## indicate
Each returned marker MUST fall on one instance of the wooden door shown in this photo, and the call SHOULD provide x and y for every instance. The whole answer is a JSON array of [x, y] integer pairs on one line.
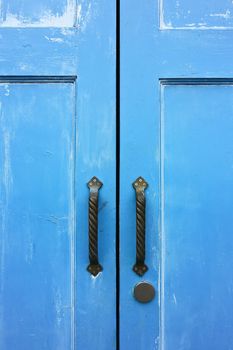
[[57, 131], [177, 133]]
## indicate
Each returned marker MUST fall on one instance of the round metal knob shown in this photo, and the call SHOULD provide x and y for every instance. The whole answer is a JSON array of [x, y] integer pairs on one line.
[[144, 292]]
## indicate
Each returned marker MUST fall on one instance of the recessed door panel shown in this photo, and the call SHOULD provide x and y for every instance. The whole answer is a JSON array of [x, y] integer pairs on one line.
[[37, 216], [196, 217]]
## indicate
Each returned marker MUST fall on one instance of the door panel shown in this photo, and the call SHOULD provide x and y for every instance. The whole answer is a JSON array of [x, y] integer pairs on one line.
[[196, 201], [37, 215]]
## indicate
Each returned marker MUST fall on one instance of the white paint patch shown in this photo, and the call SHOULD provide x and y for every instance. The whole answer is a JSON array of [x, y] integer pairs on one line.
[[7, 174], [225, 15], [47, 19], [191, 24], [29, 243], [174, 298], [94, 278], [67, 31], [202, 25], [162, 24], [54, 40], [197, 27], [58, 307], [83, 15], [7, 90], [112, 46], [23, 66]]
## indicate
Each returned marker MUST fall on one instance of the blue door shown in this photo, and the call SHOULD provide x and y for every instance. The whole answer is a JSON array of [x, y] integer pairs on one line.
[[62, 286], [57, 132], [177, 135]]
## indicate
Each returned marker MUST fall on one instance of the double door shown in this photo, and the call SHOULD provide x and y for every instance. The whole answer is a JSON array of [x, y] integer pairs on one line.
[[116, 175]]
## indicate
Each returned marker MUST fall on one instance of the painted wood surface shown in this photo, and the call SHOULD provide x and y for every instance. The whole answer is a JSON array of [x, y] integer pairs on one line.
[[191, 14], [176, 132], [57, 131], [37, 216], [196, 215]]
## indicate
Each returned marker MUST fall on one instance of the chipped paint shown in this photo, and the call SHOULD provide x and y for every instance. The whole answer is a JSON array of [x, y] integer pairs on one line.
[[23, 67], [174, 299], [7, 90], [162, 24], [54, 40], [7, 174], [225, 15], [84, 14], [197, 27], [174, 15], [47, 18], [67, 31]]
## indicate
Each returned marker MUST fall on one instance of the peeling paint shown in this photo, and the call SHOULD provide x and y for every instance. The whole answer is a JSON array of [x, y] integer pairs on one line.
[[225, 15], [7, 89], [84, 15], [174, 298], [23, 66], [47, 19], [174, 15], [58, 307], [54, 40], [67, 31], [7, 174]]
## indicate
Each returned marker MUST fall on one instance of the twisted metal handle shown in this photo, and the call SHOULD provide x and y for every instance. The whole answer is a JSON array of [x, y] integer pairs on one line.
[[140, 185], [94, 267]]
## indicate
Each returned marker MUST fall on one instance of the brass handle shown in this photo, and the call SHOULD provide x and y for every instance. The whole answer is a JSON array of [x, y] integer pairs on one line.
[[140, 185], [94, 267]]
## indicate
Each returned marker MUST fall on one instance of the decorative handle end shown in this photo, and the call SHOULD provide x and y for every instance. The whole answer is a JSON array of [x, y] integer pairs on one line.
[[95, 183], [140, 184], [140, 269], [94, 269]]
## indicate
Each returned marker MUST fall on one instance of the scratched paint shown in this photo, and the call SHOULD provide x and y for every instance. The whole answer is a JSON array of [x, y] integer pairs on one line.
[[193, 15]]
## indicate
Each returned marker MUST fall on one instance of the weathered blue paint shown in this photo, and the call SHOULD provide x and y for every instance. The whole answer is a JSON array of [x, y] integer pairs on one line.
[[37, 215], [196, 216], [56, 133], [190, 14], [178, 136]]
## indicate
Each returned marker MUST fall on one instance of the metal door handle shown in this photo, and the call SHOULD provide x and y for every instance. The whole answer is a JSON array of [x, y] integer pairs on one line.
[[94, 267], [140, 185]]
